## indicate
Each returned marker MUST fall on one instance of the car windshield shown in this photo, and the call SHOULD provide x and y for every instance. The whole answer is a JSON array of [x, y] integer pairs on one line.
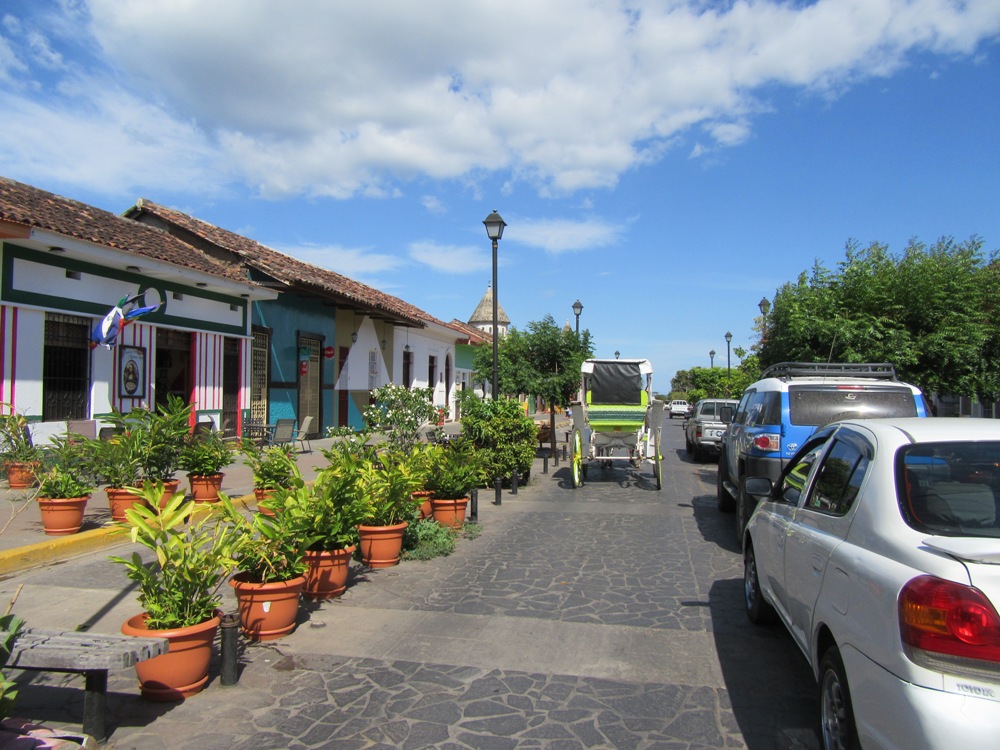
[[951, 489], [815, 407]]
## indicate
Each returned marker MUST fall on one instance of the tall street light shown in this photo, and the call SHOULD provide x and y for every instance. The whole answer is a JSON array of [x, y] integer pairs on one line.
[[764, 305], [494, 230], [711, 356], [577, 309], [729, 337]]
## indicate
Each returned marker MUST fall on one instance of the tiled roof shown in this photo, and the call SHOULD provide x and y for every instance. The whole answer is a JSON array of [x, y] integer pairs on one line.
[[470, 334], [285, 268], [484, 310], [35, 208]]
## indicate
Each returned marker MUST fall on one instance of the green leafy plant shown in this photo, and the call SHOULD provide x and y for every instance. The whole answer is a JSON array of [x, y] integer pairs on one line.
[[205, 453], [118, 459], [454, 470], [273, 467], [67, 470], [504, 436], [427, 539], [16, 445], [271, 549], [195, 550], [161, 435], [326, 513], [399, 412], [388, 483], [10, 626]]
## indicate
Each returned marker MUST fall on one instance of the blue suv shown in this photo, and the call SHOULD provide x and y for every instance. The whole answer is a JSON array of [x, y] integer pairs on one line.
[[791, 401]]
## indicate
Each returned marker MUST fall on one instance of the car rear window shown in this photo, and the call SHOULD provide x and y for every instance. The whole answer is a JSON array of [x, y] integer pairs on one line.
[[708, 409], [950, 489], [815, 407]]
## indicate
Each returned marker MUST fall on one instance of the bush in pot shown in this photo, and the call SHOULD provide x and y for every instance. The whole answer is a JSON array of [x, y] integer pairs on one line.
[[161, 434], [271, 565], [194, 551], [19, 457], [274, 468], [388, 482], [326, 515], [452, 476], [117, 462], [64, 486], [203, 456]]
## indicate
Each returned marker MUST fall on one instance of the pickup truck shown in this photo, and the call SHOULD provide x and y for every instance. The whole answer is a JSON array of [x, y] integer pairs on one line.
[[703, 431]]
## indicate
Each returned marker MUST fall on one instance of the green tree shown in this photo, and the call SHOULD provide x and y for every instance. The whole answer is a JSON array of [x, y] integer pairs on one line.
[[929, 311], [544, 360]]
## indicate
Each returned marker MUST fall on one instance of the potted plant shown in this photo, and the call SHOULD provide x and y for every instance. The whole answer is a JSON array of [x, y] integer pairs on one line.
[[204, 455], [326, 515], [194, 552], [117, 461], [161, 434], [64, 487], [273, 469], [19, 457], [452, 476], [271, 565], [388, 483]]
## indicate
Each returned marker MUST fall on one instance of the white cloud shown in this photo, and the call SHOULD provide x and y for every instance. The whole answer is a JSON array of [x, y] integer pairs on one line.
[[343, 99], [353, 262], [564, 235], [451, 258]]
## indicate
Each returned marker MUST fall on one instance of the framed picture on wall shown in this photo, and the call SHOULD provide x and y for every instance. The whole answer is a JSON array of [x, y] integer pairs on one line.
[[132, 372]]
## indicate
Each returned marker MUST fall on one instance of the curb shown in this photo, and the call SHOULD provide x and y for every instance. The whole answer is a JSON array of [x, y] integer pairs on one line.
[[58, 549]]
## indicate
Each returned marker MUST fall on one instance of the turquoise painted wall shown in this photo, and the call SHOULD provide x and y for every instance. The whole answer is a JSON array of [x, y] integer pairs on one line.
[[286, 317]]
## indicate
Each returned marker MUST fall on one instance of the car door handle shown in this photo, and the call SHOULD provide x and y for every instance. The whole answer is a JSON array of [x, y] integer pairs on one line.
[[817, 563]]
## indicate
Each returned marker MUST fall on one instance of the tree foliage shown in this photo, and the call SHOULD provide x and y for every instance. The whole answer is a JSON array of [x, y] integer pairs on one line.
[[929, 311], [543, 360]]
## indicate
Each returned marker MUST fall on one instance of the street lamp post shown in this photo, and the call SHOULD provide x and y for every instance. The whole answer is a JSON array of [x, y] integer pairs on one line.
[[494, 230], [577, 309], [617, 354], [729, 337], [711, 359], [764, 305]]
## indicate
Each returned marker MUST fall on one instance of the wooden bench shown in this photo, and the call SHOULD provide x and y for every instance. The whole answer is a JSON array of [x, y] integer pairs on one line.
[[89, 654]]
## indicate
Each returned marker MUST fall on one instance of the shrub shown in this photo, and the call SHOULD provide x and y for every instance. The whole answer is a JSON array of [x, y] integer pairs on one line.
[[502, 433]]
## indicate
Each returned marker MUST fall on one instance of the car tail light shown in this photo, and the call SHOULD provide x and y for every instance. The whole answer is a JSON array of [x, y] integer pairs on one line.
[[948, 618], [767, 442], [697, 432]]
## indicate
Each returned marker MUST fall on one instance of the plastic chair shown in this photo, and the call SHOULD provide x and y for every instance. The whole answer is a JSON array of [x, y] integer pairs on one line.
[[301, 435], [284, 432]]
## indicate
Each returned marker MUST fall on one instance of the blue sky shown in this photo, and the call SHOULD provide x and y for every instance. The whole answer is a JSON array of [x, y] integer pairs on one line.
[[667, 163]]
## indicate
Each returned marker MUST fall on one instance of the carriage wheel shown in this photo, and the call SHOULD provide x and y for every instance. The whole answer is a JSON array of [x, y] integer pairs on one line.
[[657, 460], [577, 466]]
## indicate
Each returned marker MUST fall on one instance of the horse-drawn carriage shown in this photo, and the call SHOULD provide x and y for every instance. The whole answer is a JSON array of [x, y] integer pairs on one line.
[[616, 417]]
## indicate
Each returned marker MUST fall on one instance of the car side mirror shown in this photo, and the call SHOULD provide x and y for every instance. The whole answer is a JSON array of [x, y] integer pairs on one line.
[[758, 487], [726, 414]]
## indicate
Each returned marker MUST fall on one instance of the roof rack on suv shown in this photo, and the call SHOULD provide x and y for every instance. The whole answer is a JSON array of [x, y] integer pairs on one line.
[[785, 370]]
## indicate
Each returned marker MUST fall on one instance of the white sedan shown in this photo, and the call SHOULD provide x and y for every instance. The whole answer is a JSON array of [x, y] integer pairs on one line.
[[879, 549]]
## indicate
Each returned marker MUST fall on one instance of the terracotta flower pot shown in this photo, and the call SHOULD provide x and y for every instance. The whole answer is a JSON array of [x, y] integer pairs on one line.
[[328, 572], [183, 670], [449, 512], [205, 487], [381, 546], [262, 497], [425, 505], [120, 500], [169, 490], [267, 610], [20, 475], [62, 515]]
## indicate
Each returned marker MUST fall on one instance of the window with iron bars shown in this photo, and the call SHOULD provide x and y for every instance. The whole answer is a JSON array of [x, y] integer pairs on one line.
[[66, 368]]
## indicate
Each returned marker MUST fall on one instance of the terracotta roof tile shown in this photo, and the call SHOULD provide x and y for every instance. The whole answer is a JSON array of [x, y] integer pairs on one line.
[[39, 209], [285, 268]]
